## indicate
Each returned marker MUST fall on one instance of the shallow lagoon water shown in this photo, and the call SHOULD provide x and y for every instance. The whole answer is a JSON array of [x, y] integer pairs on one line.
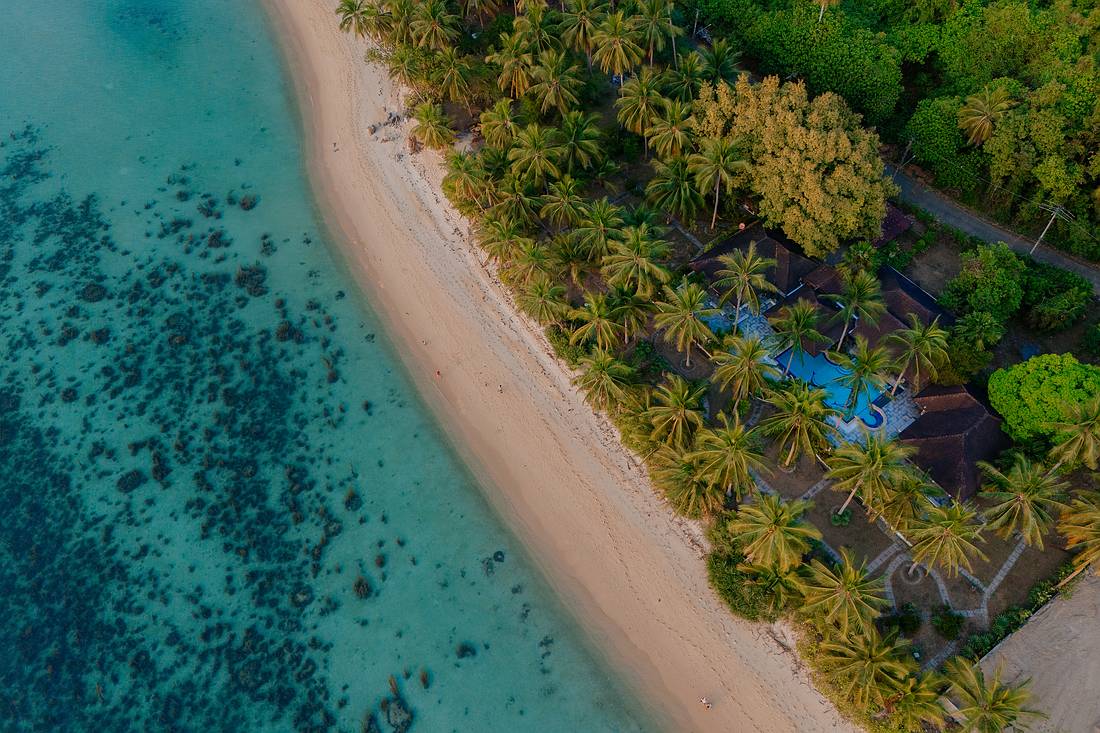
[[224, 507]]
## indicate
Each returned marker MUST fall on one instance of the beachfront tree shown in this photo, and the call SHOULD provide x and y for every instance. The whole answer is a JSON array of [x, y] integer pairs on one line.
[[915, 703], [570, 256], [800, 421], [405, 65], [946, 537], [842, 597], [728, 454], [782, 586], [432, 129], [982, 111], [452, 75], [717, 165], [794, 326], [401, 16], [920, 347], [861, 299], [535, 25], [466, 179], [580, 140], [535, 155], [1025, 499], [599, 322], [638, 102], [556, 82], [1077, 439], [515, 61], [771, 531], [868, 667], [481, 9], [869, 470], [601, 227], [604, 379], [719, 62], [677, 411], [986, 706], [500, 237], [498, 124], [670, 128], [532, 259], [563, 204], [616, 48], [635, 261], [672, 189], [1080, 525], [434, 26], [656, 26], [634, 312], [364, 18], [515, 201], [864, 371], [743, 367], [683, 81], [543, 300], [742, 278], [580, 20], [676, 472], [680, 315]]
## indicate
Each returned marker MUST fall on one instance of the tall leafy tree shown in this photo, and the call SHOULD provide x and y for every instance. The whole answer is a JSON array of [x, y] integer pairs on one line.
[[672, 189], [869, 667], [515, 60], [432, 129], [920, 347], [499, 236], [570, 256], [1080, 524], [864, 371], [453, 75], [947, 537], [434, 26], [515, 200], [604, 379], [635, 261], [987, 706], [717, 165], [535, 154], [1077, 439], [676, 472], [843, 597], [556, 82], [771, 531], [580, 22], [536, 26], [580, 140], [563, 204], [861, 299], [543, 300], [719, 62], [680, 315], [743, 278], [869, 470], [499, 124], [599, 319], [616, 45], [1024, 499], [801, 420], [656, 26], [683, 81], [727, 454], [601, 227], [676, 413], [638, 102], [364, 18], [915, 703], [670, 128], [744, 368], [795, 325], [532, 260], [466, 179]]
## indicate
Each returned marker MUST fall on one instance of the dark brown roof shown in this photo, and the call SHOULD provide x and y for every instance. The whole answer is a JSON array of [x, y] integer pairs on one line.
[[893, 224], [903, 296], [790, 266], [954, 431], [825, 280]]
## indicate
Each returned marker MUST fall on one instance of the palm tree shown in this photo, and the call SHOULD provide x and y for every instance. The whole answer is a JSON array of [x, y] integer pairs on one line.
[[916, 702], [801, 419], [683, 82], [782, 586], [498, 124], [499, 236], [434, 26], [599, 322], [861, 299], [556, 82], [535, 25], [905, 501], [405, 66], [634, 312], [600, 227], [1025, 499], [535, 154], [727, 455], [452, 72], [742, 367], [638, 103], [580, 140], [515, 61], [676, 472], [563, 204], [920, 347], [616, 45], [717, 165], [796, 325], [771, 531], [580, 21], [1078, 438], [673, 190], [1080, 524], [869, 470], [400, 21], [482, 9], [681, 315], [719, 62], [843, 597], [869, 667], [570, 256], [865, 371], [986, 706], [465, 178], [433, 129], [825, 4], [364, 18], [980, 329], [982, 111], [635, 261], [604, 379], [946, 536], [670, 128], [742, 278], [543, 300], [515, 201], [655, 22], [677, 413], [532, 260]]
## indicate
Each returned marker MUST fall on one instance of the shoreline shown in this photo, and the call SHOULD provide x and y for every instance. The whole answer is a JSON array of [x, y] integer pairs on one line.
[[625, 567]]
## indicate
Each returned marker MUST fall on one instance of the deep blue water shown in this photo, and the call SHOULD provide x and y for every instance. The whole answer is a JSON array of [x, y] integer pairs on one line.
[[224, 507]]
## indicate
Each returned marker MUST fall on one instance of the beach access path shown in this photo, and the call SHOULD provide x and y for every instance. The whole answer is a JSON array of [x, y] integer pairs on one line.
[[631, 572]]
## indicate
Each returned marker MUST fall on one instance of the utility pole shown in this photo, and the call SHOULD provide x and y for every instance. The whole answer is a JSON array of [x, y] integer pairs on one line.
[[1057, 211]]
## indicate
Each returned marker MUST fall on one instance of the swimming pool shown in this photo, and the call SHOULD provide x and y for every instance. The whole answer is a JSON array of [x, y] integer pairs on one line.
[[820, 372]]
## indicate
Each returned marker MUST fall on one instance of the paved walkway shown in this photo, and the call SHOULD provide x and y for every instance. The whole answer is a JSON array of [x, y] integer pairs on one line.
[[959, 217]]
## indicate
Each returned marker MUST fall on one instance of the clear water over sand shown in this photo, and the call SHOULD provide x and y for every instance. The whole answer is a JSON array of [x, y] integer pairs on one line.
[[223, 506]]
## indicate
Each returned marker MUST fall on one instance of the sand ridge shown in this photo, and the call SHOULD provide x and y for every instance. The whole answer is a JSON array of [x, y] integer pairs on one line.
[[622, 562]]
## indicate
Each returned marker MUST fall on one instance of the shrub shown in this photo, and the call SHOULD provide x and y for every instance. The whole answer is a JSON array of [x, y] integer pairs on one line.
[[991, 280], [938, 143], [964, 361], [1090, 340], [738, 589], [1041, 390], [907, 620], [559, 339], [1054, 299], [948, 623]]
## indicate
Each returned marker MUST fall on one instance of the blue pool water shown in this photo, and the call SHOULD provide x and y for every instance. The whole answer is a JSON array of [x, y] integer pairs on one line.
[[820, 372], [212, 518]]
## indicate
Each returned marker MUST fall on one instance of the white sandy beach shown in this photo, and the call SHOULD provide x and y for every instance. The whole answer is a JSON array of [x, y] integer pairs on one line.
[[629, 570]]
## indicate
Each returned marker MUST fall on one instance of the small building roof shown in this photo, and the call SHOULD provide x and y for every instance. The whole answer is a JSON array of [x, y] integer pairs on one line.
[[825, 280], [903, 296], [790, 266], [955, 430]]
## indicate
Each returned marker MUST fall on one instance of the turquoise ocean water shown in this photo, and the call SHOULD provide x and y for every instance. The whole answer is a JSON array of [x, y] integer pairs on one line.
[[223, 507]]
